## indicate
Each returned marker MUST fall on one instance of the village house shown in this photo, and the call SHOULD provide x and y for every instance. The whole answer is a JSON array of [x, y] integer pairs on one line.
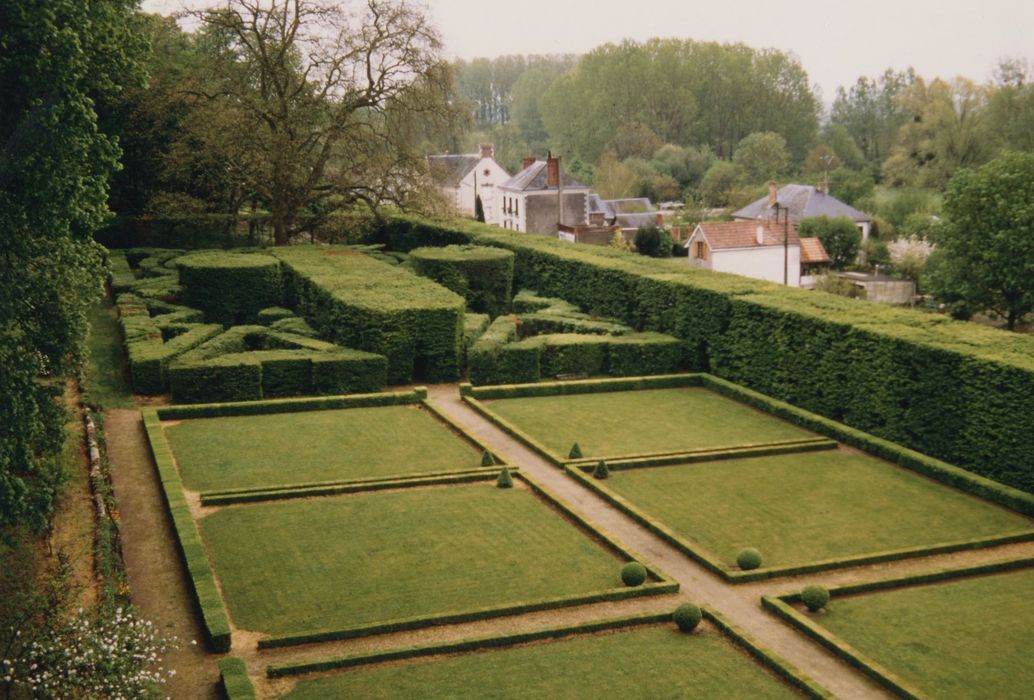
[[463, 177], [749, 248], [801, 202], [542, 199]]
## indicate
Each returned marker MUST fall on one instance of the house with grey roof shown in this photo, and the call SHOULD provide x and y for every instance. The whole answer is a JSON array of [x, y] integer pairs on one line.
[[627, 214], [462, 177], [803, 202], [541, 198]]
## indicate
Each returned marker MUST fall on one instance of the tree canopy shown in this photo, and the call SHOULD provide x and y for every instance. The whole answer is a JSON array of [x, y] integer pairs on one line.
[[839, 235]]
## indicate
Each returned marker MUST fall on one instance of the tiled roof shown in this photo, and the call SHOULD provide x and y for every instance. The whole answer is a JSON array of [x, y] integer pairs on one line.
[[534, 178], [723, 235], [448, 171], [803, 201], [813, 252]]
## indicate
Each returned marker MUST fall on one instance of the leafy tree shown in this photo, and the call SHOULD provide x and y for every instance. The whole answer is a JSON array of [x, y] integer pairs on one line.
[[985, 250], [1011, 105], [762, 155], [720, 182], [653, 241], [614, 179], [686, 165], [330, 99], [479, 208], [60, 58], [528, 90], [850, 186], [870, 112], [634, 140], [839, 235]]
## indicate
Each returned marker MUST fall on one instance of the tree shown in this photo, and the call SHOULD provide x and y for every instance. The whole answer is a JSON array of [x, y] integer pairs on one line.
[[331, 99], [479, 208], [985, 250], [60, 59], [839, 235], [719, 183], [762, 155], [871, 113], [653, 241], [1011, 105]]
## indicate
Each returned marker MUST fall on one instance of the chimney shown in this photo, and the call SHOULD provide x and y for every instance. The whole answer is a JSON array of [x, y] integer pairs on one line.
[[487, 151], [527, 162], [761, 234], [773, 194], [552, 170]]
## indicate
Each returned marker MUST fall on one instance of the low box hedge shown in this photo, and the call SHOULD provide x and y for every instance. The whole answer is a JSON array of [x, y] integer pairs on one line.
[[309, 403], [233, 677]]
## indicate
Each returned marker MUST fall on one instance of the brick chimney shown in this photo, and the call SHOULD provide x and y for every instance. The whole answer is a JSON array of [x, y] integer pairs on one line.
[[487, 151], [527, 162], [552, 170], [773, 194]]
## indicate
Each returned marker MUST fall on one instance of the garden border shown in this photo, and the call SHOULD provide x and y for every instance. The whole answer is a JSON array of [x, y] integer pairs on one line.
[[781, 607], [234, 679]]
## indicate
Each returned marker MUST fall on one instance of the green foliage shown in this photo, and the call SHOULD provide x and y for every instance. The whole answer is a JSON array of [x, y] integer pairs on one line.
[[687, 616], [272, 314], [840, 237], [762, 155], [653, 241], [633, 574], [601, 471], [412, 321], [479, 209], [505, 481], [985, 251], [480, 274], [850, 186], [230, 287], [720, 183], [575, 452], [814, 597], [841, 286], [748, 559], [233, 675], [487, 460]]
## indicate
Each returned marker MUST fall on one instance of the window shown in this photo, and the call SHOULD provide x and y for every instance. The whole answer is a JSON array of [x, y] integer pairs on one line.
[[487, 172], [515, 205], [701, 251]]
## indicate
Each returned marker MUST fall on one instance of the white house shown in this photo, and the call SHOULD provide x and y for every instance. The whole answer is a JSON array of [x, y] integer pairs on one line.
[[748, 248], [463, 177], [801, 202], [541, 199]]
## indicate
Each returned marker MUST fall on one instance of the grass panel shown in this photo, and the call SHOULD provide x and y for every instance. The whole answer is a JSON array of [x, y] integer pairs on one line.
[[299, 566], [294, 448], [649, 662], [807, 507], [971, 638], [644, 421]]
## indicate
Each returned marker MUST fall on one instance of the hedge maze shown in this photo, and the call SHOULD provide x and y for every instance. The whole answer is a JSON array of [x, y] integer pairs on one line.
[[715, 477]]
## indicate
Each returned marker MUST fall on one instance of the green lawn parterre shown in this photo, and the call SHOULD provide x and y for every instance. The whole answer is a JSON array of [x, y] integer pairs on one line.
[[643, 421], [331, 445], [332, 563], [807, 507], [969, 638], [645, 662]]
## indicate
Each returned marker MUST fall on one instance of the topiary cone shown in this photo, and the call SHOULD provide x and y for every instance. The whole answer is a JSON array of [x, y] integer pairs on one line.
[[601, 471], [576, 452], [505, 481], [487, 460]]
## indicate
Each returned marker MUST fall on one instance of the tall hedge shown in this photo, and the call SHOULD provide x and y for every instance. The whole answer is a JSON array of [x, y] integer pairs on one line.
[[363, 303], [960, 392], [482, 275], [230, 287]]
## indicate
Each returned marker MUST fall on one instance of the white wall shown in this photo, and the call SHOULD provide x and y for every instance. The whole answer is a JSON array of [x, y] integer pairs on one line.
[[486, 186], [762, 263]]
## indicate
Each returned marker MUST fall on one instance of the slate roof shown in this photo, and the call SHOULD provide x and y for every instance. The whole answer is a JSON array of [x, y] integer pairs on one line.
[[813, 252], [636, 220], [534, 178], [448, 171], [631, 205], [723, 235], [803, 201]]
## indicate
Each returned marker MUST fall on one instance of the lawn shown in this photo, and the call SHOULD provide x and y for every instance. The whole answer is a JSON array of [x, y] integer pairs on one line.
[[106, 382], [333, 445], [638, 422], [646, 662], [970, 638], [808, 507], [347, 561]]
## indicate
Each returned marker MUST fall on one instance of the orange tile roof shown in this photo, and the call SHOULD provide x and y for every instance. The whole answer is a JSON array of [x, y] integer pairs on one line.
[[743, 234], [813, 252]]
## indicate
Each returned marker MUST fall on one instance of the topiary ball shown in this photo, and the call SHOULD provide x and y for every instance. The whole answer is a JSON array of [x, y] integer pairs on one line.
[[687, 616], [633, 573], [576, 452], [815, 597], [487, 460], [748, 559], [505, 481], [601, 471]]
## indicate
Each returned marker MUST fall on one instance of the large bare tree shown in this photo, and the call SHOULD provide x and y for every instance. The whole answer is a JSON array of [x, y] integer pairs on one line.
[[332, 98]]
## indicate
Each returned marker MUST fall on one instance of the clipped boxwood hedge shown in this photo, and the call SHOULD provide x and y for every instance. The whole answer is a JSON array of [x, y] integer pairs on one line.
[[958, 391], [482, 275], [363, 303], [230, 287]]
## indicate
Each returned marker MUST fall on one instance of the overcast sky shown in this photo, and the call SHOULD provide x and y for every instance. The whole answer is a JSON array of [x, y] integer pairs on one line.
[[835, 41]]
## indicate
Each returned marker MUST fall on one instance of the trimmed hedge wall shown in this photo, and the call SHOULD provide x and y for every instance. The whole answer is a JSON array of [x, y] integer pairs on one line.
[[958, 391], [233, 676], [230, 287], [256, 408], [363, 303], [481, 275]]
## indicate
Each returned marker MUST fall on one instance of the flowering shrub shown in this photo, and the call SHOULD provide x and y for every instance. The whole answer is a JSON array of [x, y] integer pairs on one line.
[[112, 656]]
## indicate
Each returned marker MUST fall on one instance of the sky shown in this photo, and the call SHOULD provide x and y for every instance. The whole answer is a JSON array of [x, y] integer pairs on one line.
[[835, 41]]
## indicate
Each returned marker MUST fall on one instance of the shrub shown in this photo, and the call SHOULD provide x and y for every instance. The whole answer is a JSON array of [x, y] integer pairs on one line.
[[482, 275], [230, 287], [748, 559], [814, 597], [575, 452], [633, 574], [486, 459], [687, 616], [601, 471], [505, 481]]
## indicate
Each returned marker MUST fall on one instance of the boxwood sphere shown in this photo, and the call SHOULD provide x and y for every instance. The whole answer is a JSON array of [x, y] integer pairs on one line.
[[748, 559], [483, 275], [687, 616], [230, 287], [633, 573], [815, 597]]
